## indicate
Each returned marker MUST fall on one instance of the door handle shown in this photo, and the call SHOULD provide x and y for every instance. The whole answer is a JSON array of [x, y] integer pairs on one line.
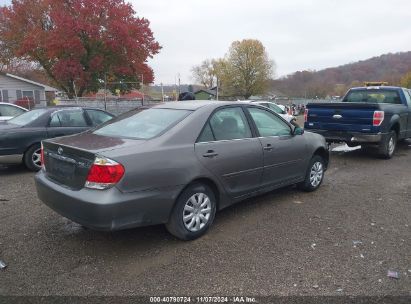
[[268, 147], [210, 153]]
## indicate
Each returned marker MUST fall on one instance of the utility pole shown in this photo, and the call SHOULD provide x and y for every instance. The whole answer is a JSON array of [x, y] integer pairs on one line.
[[105, 91], [162, 92], [142, 88], [179, 90], [217, 89]]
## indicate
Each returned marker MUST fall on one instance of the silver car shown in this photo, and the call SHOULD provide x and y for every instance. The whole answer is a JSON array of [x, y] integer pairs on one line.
[[177, 164], [9, 110]]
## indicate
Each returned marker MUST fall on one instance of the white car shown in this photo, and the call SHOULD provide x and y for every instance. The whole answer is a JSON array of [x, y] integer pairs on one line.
[[9, 110], [279, 109]]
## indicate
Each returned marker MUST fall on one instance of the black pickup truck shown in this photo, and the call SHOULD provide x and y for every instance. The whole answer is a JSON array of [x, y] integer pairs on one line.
[[377, 115]]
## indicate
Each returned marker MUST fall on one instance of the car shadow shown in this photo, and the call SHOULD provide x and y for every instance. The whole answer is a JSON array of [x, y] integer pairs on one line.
[[13, 169]]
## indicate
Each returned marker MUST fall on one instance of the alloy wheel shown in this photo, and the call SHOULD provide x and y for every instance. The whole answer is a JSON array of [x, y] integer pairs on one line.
[[316, 174]]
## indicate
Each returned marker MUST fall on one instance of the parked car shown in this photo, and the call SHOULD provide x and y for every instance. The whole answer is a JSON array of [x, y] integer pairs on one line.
[[276, 108], [176, 164], [20, 137], [374, 115], [8, 111]]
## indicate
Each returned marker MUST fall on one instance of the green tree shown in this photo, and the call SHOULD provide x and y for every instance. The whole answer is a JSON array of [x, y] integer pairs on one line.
[[406, 80]]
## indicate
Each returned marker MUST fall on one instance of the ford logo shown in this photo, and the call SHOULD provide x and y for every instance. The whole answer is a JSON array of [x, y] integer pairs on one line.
[[60, 150]]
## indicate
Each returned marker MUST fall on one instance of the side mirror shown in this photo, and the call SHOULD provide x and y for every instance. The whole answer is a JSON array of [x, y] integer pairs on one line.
[[298, 131]]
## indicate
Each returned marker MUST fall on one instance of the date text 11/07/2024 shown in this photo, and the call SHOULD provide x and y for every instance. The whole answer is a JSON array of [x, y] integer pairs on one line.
[[203, 299]]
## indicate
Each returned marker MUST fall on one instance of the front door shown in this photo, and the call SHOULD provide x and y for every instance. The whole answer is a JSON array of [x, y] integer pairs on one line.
[[284, 153], [228, 150]]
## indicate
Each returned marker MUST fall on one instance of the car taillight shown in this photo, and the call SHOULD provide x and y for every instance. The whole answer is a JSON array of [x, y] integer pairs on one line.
[[104, 173], [305, 115], [377, 118], [43, 166]]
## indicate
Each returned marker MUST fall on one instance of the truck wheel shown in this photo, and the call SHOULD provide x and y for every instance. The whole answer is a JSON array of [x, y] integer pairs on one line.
[[315, 174], [387, 146], [32, 158], [193, 212]]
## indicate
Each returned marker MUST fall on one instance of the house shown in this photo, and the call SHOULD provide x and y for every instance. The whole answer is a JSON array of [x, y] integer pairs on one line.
[[205, 94], [13, 88]]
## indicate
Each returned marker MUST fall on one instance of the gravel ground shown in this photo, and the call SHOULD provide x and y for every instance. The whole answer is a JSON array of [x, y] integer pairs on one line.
[[339, 240]]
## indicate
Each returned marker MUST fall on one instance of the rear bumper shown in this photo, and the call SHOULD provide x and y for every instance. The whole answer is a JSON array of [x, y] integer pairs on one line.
[[11, 159], [349, 137], [107, 209]]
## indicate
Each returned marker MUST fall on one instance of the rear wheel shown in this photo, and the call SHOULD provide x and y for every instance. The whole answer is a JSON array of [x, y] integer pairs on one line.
[[315, 174], [32, 158], [387, 145], [193, 212]]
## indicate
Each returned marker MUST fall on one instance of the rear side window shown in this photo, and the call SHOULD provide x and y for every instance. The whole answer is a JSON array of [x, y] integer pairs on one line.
[[228, 123], [98, 117], [407, 94], [143, 124], [373, 96]]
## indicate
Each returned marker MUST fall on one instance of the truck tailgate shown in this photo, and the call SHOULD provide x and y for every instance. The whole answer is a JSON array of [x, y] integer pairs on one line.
[[355, 117]]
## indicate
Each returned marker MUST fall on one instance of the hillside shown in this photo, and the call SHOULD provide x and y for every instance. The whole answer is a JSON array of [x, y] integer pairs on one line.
[[335, 81]]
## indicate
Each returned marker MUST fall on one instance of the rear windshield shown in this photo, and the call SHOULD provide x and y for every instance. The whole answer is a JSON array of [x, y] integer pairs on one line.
[[142, 125], [27, 117], [373, 96]]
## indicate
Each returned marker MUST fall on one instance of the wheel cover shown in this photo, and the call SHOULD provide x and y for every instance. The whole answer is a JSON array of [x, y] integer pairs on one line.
[[36, 158], [391, 145], [316, 174], [196, 212]]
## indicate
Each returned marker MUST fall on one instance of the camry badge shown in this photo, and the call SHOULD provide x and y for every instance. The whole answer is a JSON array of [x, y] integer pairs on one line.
[[60, 150]]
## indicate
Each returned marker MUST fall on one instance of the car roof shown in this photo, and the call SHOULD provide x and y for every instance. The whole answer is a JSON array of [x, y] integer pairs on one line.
[[13, 105], [378, 88], [193, 104]]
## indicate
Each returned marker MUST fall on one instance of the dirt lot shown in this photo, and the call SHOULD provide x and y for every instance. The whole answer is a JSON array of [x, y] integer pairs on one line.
[[339, 240]]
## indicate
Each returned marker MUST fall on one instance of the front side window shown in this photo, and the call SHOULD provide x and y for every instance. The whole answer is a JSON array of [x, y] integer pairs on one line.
[[373, 96], [229, 123], [269, 124], [68, 118], [144, 124], [276, 108]]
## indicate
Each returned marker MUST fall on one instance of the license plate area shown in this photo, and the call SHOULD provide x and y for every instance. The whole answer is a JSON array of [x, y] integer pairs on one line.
[[61, 168]]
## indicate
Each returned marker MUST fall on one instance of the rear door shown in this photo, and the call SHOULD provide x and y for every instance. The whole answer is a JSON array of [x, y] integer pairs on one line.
[[66, 122], [284, 153], [227, 148]]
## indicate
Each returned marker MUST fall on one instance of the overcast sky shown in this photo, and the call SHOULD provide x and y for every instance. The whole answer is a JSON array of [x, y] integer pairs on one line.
[[297, 34]]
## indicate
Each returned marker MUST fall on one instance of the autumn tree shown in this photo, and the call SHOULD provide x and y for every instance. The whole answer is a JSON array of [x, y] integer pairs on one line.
[[249, 67], [79, 43], [406, 80], [204, 73]]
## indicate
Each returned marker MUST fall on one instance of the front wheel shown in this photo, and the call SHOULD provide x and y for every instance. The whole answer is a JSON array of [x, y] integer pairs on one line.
[[315, 174], [387, 146], [193, 212], [32, 158]]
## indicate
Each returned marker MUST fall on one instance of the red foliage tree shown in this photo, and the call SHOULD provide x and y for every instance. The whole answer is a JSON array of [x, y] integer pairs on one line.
[[79, 43]]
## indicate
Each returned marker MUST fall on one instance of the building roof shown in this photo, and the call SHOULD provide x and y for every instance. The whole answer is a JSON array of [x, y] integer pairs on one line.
[[210, 92], [46, 87]]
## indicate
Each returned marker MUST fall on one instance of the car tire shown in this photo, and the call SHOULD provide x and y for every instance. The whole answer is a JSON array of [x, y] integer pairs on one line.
[[32, 158], [315, 174], [193, 212], [387, 146]]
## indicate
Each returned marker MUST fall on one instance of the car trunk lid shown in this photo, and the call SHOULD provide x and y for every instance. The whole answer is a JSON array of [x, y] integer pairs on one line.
[[67, 160]]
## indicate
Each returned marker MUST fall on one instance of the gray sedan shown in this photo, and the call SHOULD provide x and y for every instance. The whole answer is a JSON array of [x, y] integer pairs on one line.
[[176, 163]]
